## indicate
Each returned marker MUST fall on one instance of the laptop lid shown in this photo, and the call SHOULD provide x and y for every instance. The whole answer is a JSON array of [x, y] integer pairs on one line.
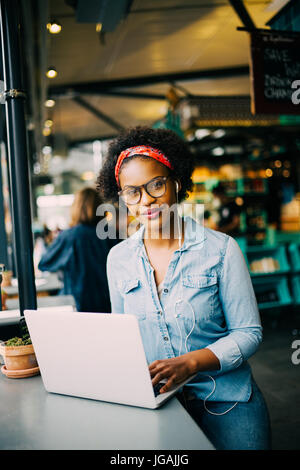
[[91, 355]]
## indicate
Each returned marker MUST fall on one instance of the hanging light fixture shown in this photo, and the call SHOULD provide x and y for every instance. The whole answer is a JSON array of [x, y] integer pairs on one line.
[[46, 131], [48, 123], [51, 72], [54, 27], [49, 103]]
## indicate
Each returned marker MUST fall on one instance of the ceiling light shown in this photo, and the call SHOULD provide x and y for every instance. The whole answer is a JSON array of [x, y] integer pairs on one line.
[[218, 151], [269, 172], [51, 72], [200, 133], [36, 168], [47, 150], [48, 123], [54, 27], [239, 201], [88, 176], [49, 189], [49, 103], [46, 131], [218, 133]]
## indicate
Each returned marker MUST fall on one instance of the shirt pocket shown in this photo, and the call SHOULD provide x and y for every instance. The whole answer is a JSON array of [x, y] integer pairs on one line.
[[134, 303], [202, 292], [198, 281]]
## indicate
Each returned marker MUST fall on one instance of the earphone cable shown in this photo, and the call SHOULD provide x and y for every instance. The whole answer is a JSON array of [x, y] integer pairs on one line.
[[194, 324]]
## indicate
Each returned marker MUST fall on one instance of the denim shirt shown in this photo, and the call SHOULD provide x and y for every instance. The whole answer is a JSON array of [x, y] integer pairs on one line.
[[207, 302]]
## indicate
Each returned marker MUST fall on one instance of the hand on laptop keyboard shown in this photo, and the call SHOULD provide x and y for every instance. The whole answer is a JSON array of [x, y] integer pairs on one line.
[[157, 387]]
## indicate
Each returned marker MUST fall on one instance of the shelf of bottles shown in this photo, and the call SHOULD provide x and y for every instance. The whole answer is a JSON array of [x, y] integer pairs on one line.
[[248, 194]]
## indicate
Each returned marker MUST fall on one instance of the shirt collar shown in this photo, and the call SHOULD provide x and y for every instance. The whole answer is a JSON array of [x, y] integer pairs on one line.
[[194, 235]]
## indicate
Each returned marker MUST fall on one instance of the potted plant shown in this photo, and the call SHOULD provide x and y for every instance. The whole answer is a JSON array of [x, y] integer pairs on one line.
[[19, 357]]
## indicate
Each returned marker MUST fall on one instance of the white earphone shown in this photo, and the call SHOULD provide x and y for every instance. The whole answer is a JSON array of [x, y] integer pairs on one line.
[[176, 187]]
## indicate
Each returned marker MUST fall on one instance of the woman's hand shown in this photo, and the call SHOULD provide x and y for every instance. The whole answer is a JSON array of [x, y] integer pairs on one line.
[[176, 370]]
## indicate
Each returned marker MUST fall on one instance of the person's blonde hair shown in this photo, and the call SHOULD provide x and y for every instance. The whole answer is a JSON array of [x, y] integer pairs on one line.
[[83, 210]]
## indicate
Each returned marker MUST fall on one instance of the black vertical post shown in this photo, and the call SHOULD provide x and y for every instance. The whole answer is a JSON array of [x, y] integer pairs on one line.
[[17, 152], [2, 267], [3, 236]]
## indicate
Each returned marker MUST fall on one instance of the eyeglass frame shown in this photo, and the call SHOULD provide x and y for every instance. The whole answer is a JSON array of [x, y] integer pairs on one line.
[[165, 178]]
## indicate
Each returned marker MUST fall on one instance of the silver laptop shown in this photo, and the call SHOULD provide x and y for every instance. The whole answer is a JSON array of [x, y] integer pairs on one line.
[[94, 355]]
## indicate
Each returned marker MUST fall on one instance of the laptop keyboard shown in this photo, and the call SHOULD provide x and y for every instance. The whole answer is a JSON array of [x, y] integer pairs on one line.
[[157, 387]]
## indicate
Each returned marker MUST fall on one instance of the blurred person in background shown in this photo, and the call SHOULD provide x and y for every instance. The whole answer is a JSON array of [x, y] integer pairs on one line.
[[81, 256], [228, 212], [48, 235]]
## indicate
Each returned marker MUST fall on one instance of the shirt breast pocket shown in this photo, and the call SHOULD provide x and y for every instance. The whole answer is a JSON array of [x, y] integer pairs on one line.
[[201, 291], [134, 303]]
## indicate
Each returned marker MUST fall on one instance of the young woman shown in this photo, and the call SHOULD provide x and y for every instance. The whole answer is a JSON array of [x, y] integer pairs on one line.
[[190, 290]]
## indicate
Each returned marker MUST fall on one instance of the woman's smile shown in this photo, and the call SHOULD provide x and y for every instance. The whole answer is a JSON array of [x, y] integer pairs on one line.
[[151, 213]]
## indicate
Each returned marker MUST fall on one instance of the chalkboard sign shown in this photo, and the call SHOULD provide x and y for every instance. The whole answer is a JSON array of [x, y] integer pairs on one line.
[[274, 73]]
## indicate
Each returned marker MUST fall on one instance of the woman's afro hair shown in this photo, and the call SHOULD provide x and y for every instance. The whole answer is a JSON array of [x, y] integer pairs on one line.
[[173, 146]]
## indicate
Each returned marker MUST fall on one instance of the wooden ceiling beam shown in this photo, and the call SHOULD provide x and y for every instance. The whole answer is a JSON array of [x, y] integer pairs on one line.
[[99, 114], [105, 86]]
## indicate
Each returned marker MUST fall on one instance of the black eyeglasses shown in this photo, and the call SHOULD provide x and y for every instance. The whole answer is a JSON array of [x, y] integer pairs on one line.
[[155, 188]]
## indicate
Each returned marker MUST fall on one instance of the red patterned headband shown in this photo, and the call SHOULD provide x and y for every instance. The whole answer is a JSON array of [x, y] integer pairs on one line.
[[141, 150]]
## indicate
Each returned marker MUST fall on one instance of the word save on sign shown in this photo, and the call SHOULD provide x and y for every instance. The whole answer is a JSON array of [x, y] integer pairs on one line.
[[275, 73], [277, 85]]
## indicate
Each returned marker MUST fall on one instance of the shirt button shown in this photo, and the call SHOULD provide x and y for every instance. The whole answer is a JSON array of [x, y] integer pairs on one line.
[[160, 313], [166, 291], [166, 338]]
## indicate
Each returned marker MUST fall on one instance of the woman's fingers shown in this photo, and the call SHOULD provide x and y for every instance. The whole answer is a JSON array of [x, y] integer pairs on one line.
[[160, 370], [153, 366], [158, 376], [170, 383], [175, 370]]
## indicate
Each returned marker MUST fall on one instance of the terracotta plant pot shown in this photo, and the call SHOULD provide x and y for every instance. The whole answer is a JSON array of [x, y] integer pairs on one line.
[[6, 278], [3, 299], [20, 361]]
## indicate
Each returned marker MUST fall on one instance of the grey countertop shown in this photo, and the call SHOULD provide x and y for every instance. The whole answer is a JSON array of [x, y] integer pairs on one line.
[[47, 283], [32, 418]]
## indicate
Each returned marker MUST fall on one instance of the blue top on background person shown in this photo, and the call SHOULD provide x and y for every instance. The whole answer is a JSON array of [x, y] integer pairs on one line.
[[81, 256]]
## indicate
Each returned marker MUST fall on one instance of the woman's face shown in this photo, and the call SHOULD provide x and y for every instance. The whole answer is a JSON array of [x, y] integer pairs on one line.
[[150, 211]]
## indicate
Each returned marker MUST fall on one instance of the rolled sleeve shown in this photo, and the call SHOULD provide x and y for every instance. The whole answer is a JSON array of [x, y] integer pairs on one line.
[[227, 352], [240, 310]]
